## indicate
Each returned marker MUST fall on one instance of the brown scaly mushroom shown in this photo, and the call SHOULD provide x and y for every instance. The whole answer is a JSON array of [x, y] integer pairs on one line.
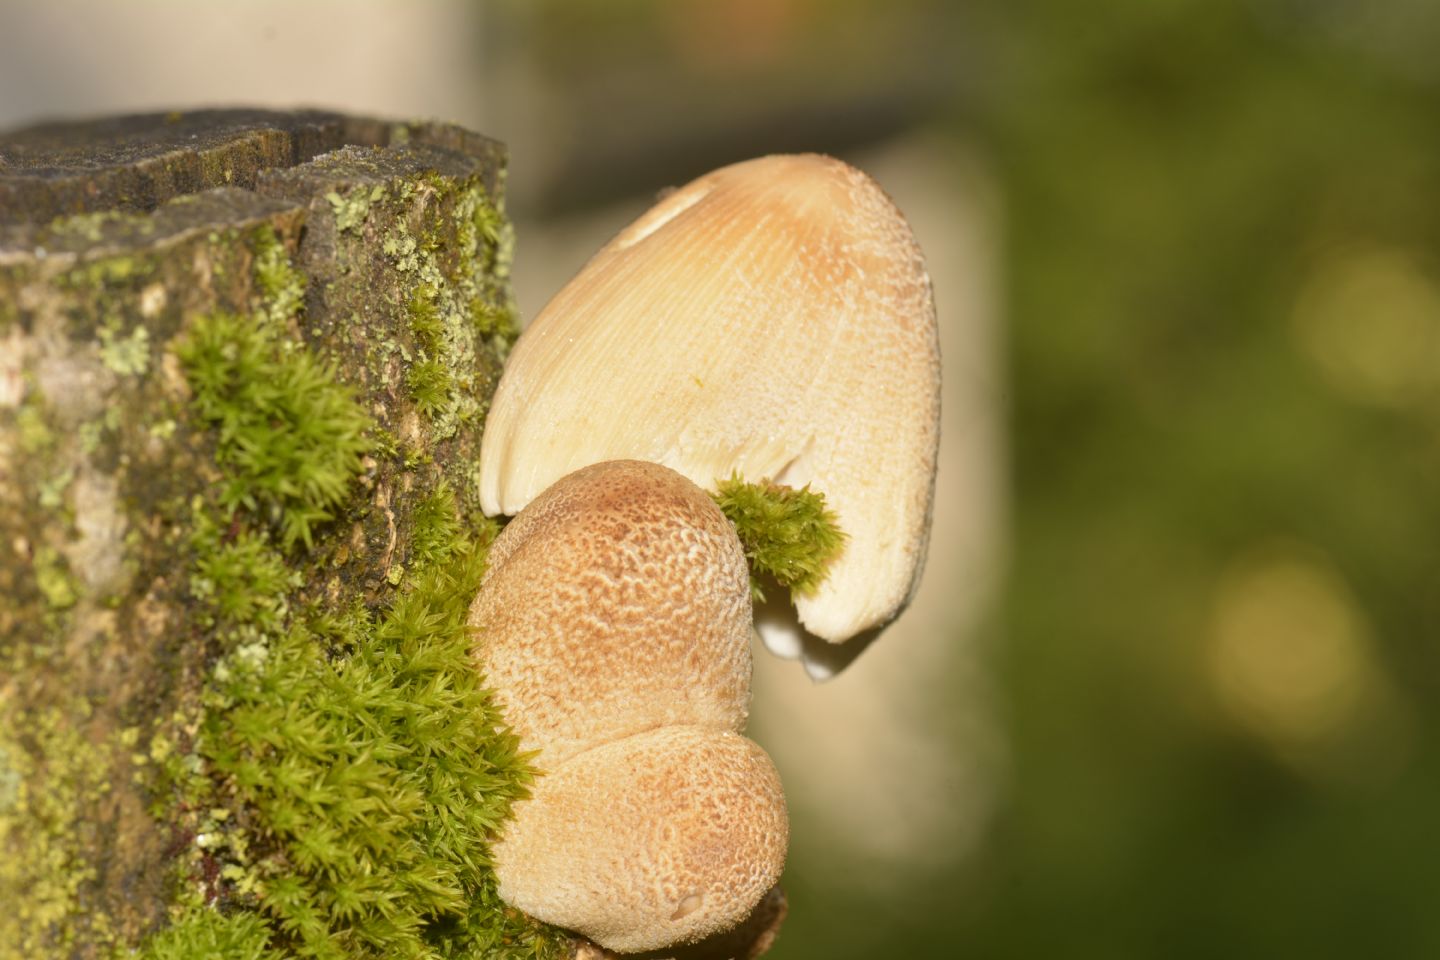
[[614, 627], [773, 318], [616, 602], [661, 838]]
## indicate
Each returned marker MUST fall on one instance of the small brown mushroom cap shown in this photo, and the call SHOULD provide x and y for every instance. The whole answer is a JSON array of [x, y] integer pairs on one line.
[[661, 838], [616, 602]]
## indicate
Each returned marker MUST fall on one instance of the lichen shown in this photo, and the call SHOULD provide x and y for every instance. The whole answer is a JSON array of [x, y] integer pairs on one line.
[[456, 303], [106, 272], [53, 578], [125, 355], [279, 280], [788, 534], [45, 787], [353, 207]]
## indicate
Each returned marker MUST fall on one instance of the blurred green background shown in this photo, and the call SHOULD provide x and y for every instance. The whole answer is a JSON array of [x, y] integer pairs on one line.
[[1172, 685]]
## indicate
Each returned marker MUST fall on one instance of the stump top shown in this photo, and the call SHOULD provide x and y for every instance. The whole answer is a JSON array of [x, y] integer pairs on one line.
[[136, 163]]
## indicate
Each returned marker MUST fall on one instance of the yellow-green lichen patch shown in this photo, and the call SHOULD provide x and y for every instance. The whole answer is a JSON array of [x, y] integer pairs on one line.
[[280, 281], [52, 576], [353, 207], [125, 354], [97, 275], [49, 777], [457, 302], [35, 436]]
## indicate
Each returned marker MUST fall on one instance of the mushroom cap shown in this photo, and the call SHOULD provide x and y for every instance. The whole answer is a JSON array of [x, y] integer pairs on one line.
[[774, 318], [617, 601], [660, 838]]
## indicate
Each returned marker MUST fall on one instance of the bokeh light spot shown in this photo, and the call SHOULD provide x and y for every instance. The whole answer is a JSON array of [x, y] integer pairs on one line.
[[1370, 322]]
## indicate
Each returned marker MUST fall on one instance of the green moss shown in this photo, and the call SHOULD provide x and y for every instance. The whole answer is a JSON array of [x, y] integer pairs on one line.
[[425, 318], [788, 534], [203, 933], [380, 771], [344, 771], [490, 319], [430, 385], [241, 580], [352, 767], [290, 434], [436, 527]]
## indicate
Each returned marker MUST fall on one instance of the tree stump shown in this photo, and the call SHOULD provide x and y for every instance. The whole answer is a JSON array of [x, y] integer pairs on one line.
[[245, 359], [244, 364]]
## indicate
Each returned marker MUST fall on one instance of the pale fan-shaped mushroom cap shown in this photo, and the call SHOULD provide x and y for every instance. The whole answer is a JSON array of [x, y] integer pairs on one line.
[[773, 318], [617, 601], [660, 838]]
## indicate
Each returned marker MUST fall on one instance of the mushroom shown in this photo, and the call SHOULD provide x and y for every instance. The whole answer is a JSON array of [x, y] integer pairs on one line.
[[657, 839], [613, 627], [616, 602], [773, 318]]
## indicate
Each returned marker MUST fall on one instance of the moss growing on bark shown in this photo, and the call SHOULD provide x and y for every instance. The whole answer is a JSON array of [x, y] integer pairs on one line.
[[345, 769], [207, 935], [290, 435], [455, 295]]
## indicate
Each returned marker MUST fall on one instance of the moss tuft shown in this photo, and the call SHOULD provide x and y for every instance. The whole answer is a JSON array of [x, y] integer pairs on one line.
[[430, 384], [291, 436], [240, 580], [373, 770], [436, 527], [203, 933], [788, 534], [424, 318]]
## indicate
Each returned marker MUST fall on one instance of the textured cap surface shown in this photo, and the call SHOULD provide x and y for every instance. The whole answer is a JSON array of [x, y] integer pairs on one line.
[[774, 318], [616, 602], [660, 838]]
